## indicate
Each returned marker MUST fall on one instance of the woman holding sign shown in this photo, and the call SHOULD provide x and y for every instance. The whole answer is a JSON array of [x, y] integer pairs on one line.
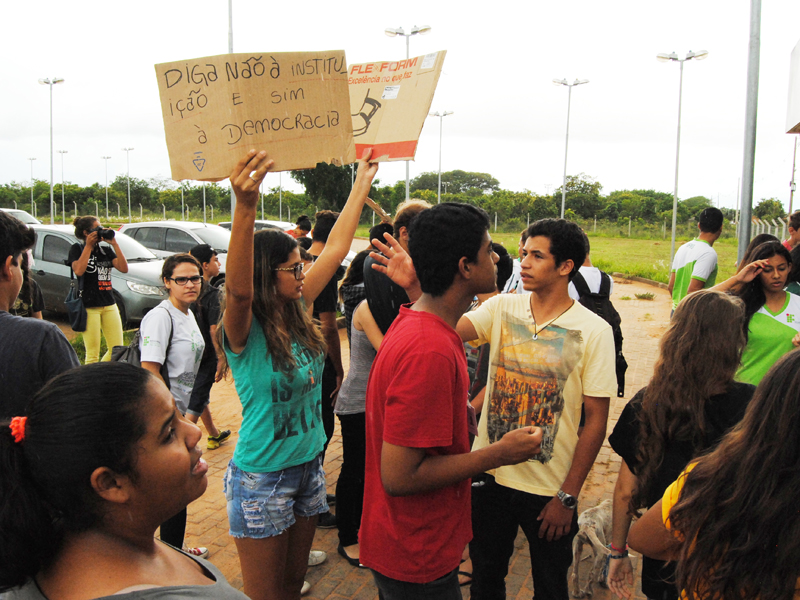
[[275, 484]]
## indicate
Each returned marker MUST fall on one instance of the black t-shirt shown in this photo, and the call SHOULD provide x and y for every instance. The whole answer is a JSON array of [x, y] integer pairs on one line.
[[21, 307], [97, 278], [32, 352], [723, 411], [384, 296], [206, 312]]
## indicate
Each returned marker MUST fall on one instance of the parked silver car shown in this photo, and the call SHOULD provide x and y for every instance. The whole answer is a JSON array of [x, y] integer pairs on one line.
[[165, 238], [22, 215], [263, 224], [136, 291]]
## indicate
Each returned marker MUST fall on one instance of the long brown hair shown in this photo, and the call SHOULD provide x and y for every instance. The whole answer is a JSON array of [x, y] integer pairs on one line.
[[282, 322], [706, 327], [737, 513]]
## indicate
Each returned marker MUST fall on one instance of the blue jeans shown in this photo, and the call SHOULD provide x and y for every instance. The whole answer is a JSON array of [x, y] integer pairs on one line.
[[444, 588], [262, 505]]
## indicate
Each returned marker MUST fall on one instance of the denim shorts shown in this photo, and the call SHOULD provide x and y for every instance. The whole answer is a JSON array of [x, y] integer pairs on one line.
[[262, 505]]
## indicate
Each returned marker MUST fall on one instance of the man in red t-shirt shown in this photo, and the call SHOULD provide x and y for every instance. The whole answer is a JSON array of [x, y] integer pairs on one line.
[[416, 518]]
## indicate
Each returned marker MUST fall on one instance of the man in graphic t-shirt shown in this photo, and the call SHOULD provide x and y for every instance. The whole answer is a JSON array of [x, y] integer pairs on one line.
[[416, 518], [550, 356], [695, 264]]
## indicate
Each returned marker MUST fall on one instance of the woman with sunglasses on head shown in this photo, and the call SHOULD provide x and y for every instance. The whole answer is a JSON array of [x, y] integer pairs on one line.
[[772, 315], [275, 484], [85, 481], [169, 336]]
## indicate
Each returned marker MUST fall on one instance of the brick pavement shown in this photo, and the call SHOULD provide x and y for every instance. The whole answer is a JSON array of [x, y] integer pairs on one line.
[[643, 322]]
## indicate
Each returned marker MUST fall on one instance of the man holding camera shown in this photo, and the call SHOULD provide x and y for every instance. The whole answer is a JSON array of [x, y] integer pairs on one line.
[[92, 264]]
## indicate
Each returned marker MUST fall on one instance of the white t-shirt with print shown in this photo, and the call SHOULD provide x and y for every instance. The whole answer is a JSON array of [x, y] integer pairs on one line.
[[185, 350], [541, 382]]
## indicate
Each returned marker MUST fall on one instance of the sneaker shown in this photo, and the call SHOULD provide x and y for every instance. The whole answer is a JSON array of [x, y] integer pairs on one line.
[[199, 552], [331, 499], [316, 557], [214, 441], [326, 520], [305, 588]]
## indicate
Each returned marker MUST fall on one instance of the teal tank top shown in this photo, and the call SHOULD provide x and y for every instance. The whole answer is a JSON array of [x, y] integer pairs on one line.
[[281, 414]]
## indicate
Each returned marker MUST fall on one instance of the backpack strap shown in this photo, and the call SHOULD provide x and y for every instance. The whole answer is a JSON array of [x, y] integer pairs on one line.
[[580, 284], [171, 330], [605, 284]]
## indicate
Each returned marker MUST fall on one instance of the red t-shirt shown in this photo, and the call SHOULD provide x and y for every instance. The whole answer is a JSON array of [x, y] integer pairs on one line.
[[416, 398], [788, 244]]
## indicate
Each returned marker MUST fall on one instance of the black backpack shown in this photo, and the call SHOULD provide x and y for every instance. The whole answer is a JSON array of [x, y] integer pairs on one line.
[[600, 304]]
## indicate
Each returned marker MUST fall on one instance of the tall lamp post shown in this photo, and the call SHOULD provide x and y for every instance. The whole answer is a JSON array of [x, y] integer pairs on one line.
[[663, 57], [33, 206], [63, 211], [128, 158], [105, 158], [425, 29], [566, 142], [51, 82], [441, 116]]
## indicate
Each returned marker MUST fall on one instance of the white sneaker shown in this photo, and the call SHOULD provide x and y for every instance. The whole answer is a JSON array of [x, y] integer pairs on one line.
[[305, 588], [316, 557]]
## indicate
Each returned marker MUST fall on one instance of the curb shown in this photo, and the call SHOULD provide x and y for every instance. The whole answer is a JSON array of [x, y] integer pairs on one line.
[[658, 284]]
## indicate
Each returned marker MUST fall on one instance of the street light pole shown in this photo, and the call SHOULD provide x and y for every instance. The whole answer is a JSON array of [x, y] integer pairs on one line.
[[791, 183], [63, 211], [566, 142], [441, 118], [128, 158], [33, 207], [424, 30], [51, 82], [105, 158], [666, 58]]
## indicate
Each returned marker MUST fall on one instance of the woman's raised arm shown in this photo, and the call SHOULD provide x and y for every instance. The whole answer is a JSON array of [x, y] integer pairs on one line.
[[342, 233], [246, 178]]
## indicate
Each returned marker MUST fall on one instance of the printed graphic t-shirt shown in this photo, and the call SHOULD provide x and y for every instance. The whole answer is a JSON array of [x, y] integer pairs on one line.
[[281, 414], [693, 260], [97, 290], [541, 383], [185, 350], [769, 337], [416, 398]]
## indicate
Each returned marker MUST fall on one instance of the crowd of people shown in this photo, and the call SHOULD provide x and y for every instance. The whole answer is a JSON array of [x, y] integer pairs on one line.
[[475, 404]]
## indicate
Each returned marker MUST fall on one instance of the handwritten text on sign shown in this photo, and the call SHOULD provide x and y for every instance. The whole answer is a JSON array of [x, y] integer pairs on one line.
[[294, 105]]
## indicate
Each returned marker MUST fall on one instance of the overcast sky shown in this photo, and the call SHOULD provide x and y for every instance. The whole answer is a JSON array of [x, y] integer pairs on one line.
[[509, 118]]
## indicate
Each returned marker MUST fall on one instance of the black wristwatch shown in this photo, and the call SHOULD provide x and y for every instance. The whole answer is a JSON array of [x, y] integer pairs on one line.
[[570, 502]]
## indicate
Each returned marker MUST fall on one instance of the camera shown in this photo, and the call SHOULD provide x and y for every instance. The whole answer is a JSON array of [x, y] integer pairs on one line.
[[103, 234]]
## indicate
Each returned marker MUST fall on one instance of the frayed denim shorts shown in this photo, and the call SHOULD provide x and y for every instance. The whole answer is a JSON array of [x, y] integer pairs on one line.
[[262, 505]]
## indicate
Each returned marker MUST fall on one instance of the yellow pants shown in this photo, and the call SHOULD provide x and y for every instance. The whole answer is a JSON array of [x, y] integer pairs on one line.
[[107, 320]]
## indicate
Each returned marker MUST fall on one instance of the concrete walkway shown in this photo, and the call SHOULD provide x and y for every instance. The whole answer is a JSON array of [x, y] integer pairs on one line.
[[643, 323]]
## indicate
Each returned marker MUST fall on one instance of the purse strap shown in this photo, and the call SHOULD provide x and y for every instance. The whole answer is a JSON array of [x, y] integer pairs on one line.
[[80, 279]]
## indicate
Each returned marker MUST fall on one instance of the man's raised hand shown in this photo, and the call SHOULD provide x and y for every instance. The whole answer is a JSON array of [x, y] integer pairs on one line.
[[394, 262]]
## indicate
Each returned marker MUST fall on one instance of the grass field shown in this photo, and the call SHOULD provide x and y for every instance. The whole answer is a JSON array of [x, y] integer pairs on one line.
[[636, 257]]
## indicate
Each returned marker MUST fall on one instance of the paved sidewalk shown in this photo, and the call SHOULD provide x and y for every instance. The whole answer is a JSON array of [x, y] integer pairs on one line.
[[643, 323]]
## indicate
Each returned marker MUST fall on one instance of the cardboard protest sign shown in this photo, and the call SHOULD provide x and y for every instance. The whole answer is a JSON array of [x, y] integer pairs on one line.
[[292, 104], [389, 101], [793, 110]]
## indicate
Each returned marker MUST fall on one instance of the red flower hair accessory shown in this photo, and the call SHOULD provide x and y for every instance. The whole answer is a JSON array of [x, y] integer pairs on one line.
[[18, 428]]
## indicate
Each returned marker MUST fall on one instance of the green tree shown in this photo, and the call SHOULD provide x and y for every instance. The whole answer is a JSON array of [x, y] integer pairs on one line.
[[327, 186], [583, 196], [769, 208], [458, 182]]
